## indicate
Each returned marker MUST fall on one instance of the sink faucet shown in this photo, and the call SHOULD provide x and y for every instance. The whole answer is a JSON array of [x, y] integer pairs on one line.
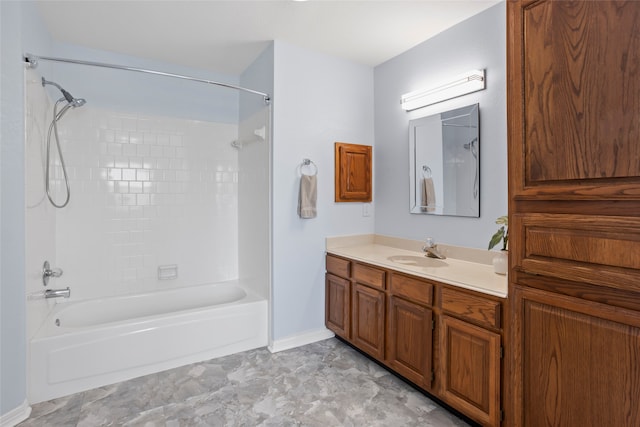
[[431, 248], [56, 293]]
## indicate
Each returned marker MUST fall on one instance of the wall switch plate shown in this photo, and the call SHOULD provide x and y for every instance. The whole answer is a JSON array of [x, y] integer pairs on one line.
[[366, 209]]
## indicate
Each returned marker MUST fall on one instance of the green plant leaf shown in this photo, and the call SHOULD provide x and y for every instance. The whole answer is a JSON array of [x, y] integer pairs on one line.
[[496, 238], [503, 220]]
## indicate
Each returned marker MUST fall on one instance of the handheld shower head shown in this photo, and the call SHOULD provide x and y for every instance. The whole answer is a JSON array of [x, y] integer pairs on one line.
[[78, 102], [74, 102]]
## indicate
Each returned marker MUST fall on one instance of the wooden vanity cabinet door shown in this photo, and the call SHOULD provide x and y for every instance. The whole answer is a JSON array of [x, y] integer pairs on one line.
[[367, 310], [470, 370], [337, 305], [339, 266], [409, 341]]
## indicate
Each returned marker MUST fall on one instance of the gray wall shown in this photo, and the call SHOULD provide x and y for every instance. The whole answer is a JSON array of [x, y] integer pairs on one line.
[[258, 76], [318, 100], [478, 42]]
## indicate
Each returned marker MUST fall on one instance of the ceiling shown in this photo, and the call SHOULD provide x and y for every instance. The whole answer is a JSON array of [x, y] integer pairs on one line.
[[226, 36]]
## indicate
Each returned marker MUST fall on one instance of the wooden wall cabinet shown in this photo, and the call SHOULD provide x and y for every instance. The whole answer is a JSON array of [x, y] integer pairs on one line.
[[574, 212], [353, 172], [449, 346]]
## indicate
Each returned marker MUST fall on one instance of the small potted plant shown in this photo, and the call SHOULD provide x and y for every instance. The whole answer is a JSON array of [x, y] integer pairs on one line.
[[501, 262]]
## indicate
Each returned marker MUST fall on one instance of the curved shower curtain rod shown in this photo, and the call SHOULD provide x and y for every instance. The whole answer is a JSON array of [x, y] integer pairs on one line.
[[32, 61]]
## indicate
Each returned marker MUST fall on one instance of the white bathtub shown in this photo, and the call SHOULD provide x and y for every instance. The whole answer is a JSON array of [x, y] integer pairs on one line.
[[102, 341]]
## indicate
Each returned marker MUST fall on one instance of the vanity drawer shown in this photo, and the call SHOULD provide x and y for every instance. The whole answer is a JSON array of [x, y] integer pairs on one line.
[[477, 309], [416, 290], [338, 266], [369, 276]]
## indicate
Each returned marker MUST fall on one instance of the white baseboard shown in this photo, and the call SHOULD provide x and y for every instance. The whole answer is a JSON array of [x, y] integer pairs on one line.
[[299, 340], [15, 416]]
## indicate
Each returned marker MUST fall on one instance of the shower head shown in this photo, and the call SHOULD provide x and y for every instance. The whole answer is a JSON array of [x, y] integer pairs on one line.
[[471, 144], [74, 102], [78, 102]]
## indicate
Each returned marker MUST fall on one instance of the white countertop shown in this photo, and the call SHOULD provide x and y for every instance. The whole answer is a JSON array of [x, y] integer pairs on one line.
[[477, 276]]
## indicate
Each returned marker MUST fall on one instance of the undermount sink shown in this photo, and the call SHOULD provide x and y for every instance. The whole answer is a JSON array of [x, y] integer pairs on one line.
[[417, 261]]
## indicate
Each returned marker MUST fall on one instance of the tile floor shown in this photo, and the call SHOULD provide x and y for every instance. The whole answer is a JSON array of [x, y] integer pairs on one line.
[[322, 384]]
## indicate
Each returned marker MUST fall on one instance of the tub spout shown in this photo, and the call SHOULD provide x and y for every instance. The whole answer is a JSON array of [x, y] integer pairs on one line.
[[57, 293]]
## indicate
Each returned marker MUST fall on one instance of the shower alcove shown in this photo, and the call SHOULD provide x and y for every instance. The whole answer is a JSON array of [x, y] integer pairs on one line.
[[165, 242]]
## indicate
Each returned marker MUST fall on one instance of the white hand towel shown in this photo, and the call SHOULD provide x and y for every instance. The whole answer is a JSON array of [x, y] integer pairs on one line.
[[307, 197], [428, 196]]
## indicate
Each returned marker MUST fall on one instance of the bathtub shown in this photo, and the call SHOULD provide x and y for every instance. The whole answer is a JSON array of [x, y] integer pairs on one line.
[[92, 343]]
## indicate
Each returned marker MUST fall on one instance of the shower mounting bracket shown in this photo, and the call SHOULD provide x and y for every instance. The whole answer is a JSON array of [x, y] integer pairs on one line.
[[31, 61]]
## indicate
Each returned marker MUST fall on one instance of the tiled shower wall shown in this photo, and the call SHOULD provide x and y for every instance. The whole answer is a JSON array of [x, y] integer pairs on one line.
[[149, 192], [145, 192]]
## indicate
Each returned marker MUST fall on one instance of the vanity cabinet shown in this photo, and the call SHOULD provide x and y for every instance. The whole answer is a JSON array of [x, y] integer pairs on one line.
[[471, 349], [338, 306], [410, 328], [410, 341], [367, 308], [338, 296], [445, 340]]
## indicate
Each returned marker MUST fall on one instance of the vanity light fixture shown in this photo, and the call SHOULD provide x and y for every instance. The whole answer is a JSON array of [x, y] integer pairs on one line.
[[469, 82]]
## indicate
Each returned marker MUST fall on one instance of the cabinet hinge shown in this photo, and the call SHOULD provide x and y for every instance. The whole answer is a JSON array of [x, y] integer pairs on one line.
[[432, 376], [501, 414], [501, 352], [433, 325]]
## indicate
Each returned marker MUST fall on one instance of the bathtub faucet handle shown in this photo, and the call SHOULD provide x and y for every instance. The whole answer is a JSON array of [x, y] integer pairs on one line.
[[48, 272]]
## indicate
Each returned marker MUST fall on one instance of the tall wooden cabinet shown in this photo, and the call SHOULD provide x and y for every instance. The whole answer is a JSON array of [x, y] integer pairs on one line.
[[574, 212]]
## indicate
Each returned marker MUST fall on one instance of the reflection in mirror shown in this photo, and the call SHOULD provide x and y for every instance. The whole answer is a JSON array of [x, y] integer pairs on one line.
[[444, 152]]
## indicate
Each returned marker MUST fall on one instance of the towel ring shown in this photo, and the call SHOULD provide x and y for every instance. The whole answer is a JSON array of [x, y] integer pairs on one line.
[[307, 162], [426, 171]]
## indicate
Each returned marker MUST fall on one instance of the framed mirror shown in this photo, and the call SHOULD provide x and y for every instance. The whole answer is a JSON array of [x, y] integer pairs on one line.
[[444, 163]]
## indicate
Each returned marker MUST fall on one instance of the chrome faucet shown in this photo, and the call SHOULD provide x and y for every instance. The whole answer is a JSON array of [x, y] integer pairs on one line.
[[431, 248], [57, 293]]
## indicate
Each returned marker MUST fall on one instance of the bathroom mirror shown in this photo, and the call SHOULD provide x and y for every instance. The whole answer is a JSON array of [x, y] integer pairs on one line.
[[444, 165]]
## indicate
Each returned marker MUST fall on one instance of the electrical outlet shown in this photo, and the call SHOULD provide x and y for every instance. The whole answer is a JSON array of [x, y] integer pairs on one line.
[[366, 209]]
